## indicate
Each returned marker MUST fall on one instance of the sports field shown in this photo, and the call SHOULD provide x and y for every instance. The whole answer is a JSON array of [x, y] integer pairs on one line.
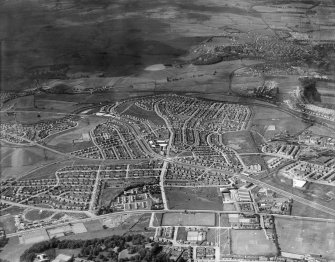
[[188, 219], [306, 237], [251, 242]]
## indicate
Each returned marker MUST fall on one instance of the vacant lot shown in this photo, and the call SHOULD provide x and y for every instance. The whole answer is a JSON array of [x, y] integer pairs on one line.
[[306, 237], [251, 242], [188, 219], [204, 198]]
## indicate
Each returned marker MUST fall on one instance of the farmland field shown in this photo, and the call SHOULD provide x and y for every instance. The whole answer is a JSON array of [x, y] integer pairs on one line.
[[306, 236], [188, 219]]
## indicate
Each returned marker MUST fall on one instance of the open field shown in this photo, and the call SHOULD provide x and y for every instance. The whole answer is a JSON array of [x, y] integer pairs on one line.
[[254, 159], [57, 105], [16, 162], [270, 122], [312, 191], [8, 223], [37, 214], [229, 207], [224, 221], [246, 84], [138, 112], [182, 234], [69, 141], [13, 250], [157, 220], [225, 241], [126, 225], [322, 131], [203, 198], [29, 117], [299, 209], [241, 141], [212, 236], [306, 237], [188, 219], [142, 226], [13, 210], [108, 194], [251, 242], [93, 225], [46, 172]]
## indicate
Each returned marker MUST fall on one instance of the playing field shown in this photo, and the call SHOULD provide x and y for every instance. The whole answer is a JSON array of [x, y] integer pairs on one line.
[[306, 237], [251, 242], [190, 219]]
